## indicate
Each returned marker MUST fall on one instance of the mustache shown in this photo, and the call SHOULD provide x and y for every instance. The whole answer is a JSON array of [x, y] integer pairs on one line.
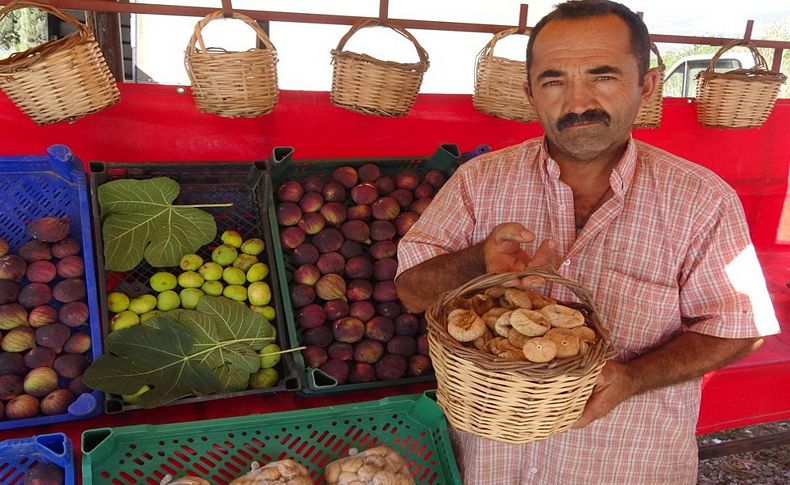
[[570, 119]]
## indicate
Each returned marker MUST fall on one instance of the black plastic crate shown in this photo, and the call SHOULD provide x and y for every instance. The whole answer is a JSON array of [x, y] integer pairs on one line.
[[243, 184]]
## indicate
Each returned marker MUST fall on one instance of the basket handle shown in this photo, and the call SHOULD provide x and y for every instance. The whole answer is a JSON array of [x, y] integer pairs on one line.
[[654, 50], [488, 50], [19, 4], [759, 60], [375, 22], [197, 35]]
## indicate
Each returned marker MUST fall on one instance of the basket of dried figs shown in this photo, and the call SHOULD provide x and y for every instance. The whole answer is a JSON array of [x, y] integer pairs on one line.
[[515, 365]]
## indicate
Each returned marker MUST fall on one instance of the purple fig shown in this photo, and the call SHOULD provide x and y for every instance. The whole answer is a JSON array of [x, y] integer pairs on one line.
[[336, 369], [314, 356], [422, 344], [311, 316], [340, 350], [407, 324], [56, 402], [348, 329], [68, 290], [385, 269], [53, 336], [9, 291], [42, 315], [312, 183], [35, 250], [312, 222], [65, 247], [10, 386], [71, 267], [403, 196], [336, 309], [346, 176], [320, 336], [424, 191], [359, 267], [407, 180], [435, 178], [70, 365], [12, 267], [77, 386], [78, 343], [333, 192], [382, 230], [35, 294], [384, 249], [335, 213], [73, 314], [359, 290], [389, 309], [359, 213], [301, 295], [423, 327], [364, 193], [402, 345], [307, 274], [368, 350], [331, 262], [361, 372], [380, 328], [385, 209], [40, 381], [331, 287], [419, 365], [391, 366], [419, 205], [22, 407], [49, 229], [292, 237], [385, 291], [404, 222], [288, 214], [18, 340], [356, 231], [12, 315], [12, 363], [290, 191], [39, 357], [41, 272], [305, 253], [311, 202], [44, 474], [385, 185], [328, 240], [350, 249], [363, 310], [368, 172]]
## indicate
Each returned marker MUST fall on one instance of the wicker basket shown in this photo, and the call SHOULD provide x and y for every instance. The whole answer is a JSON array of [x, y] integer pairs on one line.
[[232, 84], [649, 115], [64, 79], [741, 98], [499, 84], [505, 400], [368, 85]]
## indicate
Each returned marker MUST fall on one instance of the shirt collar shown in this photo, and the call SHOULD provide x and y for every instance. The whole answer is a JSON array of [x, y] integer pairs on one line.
[[621, 176]]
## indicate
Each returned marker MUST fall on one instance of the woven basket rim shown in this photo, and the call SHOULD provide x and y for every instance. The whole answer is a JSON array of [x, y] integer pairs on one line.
[[420, 66], [416, 67], [488, 49], [600, 351], [197, 37]]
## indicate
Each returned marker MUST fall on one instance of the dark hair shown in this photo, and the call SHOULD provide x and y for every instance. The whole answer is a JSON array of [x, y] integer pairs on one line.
[[580, 9]]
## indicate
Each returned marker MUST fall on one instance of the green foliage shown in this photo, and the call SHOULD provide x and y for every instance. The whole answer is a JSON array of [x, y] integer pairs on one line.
[[22, 29]]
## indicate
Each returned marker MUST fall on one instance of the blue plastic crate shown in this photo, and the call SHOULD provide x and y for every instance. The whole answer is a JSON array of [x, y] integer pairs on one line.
[[17, 456], [53, 185]]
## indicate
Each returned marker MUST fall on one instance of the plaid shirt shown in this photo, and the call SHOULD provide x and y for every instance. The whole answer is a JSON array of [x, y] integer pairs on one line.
[[669, 252]]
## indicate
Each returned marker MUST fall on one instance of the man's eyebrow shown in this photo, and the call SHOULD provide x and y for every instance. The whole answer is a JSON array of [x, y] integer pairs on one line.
[[550, 73], [606, 69]]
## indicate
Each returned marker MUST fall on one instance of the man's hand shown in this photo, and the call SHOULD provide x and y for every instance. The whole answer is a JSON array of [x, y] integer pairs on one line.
[[615, 385], [502, 253]]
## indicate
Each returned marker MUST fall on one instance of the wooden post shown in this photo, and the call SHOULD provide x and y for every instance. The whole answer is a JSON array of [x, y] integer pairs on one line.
[[107, 29]]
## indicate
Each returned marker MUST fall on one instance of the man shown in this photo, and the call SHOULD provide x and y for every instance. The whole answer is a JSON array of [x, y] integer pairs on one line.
[[662, 244]]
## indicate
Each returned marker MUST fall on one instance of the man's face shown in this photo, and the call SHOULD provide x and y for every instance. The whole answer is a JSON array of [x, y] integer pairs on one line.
[[585, 85]]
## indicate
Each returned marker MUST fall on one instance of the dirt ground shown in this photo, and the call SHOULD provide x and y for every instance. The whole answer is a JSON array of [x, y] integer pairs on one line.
[[769, 466]]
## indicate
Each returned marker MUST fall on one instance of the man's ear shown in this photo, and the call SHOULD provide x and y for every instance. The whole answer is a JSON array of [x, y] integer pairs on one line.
[[649, 85], [528, 92]]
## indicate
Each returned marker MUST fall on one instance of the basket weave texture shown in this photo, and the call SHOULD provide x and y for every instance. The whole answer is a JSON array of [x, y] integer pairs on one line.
[[649, 115], [64, 79], [512, 401], [232, 84], [741, 98], [371, 86], [499, 83]]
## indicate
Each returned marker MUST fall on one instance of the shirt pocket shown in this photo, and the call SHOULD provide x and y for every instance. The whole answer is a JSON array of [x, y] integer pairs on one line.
[[639, 314]]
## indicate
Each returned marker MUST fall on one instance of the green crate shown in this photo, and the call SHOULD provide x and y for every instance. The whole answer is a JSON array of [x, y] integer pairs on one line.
[[220, 450], [283, 167]]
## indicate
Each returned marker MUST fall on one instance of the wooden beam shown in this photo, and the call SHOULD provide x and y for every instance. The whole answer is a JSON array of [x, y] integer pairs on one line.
[[744, 445], [107, 30]]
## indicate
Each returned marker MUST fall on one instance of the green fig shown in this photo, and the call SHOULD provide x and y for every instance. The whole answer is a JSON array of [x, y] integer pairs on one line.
[[167, 300], [212, 288], [145, 316], [245, 261], [234, 276], [125, 319], [235, 292], [211, 271], [270, 356], [190, 279], [253, 246], [264, 378], [163, 281], [267, 311], [190, 297], [257, 272], [224, 255], [117, 302], [231, 238], [190, 262], [142, 304], [259, 293]]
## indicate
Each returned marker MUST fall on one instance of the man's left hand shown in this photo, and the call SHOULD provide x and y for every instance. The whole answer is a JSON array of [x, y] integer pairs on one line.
[[615, 384]]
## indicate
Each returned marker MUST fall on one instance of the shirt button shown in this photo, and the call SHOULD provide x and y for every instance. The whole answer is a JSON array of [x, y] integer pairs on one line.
[[562, 207], [567, 262], [533, 470]]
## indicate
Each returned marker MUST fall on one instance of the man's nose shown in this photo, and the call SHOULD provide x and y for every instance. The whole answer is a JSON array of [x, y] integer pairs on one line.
[[580, 97]]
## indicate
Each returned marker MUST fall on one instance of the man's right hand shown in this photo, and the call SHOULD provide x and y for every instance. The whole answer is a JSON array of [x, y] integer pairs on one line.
[[502, 253]]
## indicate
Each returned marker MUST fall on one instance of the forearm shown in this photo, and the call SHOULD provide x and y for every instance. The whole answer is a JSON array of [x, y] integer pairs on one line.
[[688, 356], [421, 285]]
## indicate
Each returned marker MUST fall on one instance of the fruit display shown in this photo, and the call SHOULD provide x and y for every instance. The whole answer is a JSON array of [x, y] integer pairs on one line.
[[339, 234], [520, 325], [45, 337]]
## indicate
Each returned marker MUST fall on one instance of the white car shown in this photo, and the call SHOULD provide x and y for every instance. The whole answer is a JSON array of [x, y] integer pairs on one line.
[[680, 80]]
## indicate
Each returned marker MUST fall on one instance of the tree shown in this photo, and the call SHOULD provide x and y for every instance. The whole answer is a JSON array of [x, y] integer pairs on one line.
[[22, 29]]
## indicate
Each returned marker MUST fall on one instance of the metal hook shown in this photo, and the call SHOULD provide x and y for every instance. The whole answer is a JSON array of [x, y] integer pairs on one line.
[[227, 8], [522, 18]]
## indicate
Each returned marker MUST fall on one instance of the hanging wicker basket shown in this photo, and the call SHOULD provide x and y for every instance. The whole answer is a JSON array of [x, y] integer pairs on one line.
[[499, 83], [741, 98], [368, 85], [506, 400], [64, 79], [649, 115], [232, 84]]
